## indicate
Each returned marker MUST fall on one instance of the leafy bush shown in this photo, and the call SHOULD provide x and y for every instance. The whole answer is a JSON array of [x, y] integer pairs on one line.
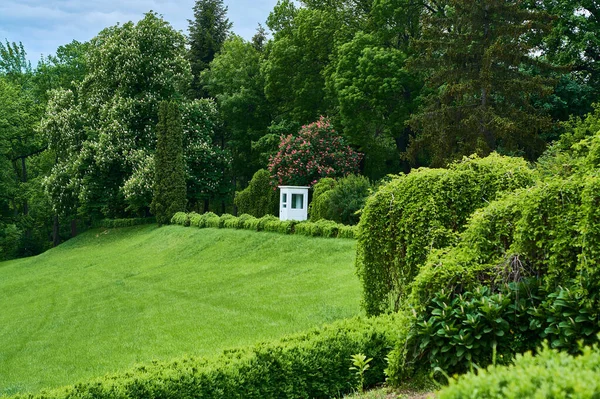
[[231, 222], [550, 231], [280, 226], [424, 210], [339, 200], [315, 364], [316, 152], [195, 219], [224, 218], [181, 218], [212, 220], [347, 232], [259, 198], [202, 220], [550, 374], [241, 220], [319, 205], [483, 326]]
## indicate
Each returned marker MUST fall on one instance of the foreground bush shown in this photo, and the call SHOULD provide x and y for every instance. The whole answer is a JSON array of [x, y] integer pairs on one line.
[[426, 209], [315, 364], [550, 374]]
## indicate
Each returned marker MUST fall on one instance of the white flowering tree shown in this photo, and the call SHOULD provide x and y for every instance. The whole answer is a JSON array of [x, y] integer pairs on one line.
[[103, 132]]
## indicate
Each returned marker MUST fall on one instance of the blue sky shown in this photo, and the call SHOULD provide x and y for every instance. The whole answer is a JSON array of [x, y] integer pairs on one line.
[[43, 25]]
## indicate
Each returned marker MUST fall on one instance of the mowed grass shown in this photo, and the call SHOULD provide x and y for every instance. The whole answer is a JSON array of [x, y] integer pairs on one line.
[[110, 299]]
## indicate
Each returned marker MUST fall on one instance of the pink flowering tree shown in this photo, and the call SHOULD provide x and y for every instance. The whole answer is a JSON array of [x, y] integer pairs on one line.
[[317, 151]]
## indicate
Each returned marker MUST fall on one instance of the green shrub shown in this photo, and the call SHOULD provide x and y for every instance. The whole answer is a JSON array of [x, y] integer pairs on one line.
[[315, 364], [550, 231], [260, 226], [195, 219], [241, 220], [304, 228], [339, 200], [426, 209], [259, 198], [319, 205], [251, 223], [280, 226], [230, 222], [550, 374], [203, 220], [181, 218], [456, 332], [347, 231], [212, 220], [223, 218]]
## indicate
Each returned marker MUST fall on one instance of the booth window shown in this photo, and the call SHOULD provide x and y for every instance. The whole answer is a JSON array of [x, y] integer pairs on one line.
[[297, 201]]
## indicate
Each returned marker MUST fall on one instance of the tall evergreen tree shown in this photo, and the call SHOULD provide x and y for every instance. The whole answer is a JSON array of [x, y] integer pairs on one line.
[[481, 79], [169, 181], [207, 32]]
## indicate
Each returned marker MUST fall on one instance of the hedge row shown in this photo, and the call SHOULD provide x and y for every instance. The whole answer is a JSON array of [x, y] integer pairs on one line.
[[315, 364], [321, 228], [422, 211], [115, 223], [550, 374]]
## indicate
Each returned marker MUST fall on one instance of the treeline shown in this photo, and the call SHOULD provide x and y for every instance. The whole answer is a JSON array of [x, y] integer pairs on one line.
[[403, 83]]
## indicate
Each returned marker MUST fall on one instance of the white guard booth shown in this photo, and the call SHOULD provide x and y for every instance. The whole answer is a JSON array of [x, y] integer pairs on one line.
[[293, 203]]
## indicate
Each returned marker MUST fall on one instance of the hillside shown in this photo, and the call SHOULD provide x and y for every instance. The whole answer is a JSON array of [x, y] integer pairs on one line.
[[109, 299]]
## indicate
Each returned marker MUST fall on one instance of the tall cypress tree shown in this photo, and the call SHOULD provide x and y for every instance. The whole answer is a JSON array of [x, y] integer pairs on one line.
[[207, 32], [482, 77], [169, 181]]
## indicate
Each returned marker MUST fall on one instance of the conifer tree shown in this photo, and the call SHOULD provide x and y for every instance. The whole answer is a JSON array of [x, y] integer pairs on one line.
[[207, 33], [169, 182], [481, 78]]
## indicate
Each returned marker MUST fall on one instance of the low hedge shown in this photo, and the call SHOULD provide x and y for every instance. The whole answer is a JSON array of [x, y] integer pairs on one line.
[[315, 364], [321, 228], [550, 374], [115, 223]]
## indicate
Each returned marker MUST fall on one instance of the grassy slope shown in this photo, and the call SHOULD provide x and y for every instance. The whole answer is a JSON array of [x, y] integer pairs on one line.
[[107, 300]]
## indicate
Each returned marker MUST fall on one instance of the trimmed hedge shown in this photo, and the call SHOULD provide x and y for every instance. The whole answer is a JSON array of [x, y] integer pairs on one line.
[[315, 364], [270, 223], [116, 223], [424, 210], [550, 374]]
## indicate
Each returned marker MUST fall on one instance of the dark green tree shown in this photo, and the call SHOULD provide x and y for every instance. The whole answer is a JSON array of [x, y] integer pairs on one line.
[[481, 77], [234, 80], [169, 178], [207, 32]]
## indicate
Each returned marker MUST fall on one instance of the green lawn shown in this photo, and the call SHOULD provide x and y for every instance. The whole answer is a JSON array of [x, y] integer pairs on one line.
[[110, 299]]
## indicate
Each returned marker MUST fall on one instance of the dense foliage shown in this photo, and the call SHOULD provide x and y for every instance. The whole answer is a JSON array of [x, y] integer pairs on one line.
[[423, 210], [339, 200], [316, 152], [169, 193], [548, 374], [477, 57], [522, 270], [259, 198]]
